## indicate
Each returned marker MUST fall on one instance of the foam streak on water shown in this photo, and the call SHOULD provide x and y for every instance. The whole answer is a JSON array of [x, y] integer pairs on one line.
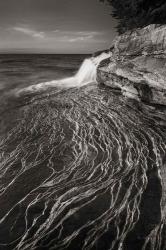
[[83, 169], [85, 75]]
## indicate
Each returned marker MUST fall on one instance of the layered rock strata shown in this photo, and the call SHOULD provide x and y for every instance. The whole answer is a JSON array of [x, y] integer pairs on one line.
[[137, 65]]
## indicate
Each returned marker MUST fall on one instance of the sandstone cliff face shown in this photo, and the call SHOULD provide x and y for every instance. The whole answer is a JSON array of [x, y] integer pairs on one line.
[[137, 65]]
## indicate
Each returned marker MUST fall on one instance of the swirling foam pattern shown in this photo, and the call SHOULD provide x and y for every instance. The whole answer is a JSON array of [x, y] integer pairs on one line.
[[83, 168]]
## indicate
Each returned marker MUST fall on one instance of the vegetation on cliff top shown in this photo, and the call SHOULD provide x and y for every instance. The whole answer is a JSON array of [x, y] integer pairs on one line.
[[133, 14]]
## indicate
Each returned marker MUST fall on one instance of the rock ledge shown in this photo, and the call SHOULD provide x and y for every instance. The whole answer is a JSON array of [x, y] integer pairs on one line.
[[137, 65]]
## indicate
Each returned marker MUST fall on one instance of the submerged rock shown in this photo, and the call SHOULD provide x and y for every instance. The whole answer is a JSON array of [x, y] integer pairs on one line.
[[137, 65]]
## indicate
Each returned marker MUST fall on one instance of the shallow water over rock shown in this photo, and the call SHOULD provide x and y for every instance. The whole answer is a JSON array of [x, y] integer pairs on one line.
[[83, 168]]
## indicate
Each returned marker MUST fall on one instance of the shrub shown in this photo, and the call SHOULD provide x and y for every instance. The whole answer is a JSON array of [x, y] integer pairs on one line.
[[133, 14]]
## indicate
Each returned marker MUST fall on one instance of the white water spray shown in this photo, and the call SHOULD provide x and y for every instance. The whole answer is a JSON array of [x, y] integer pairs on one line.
[[85, 75]]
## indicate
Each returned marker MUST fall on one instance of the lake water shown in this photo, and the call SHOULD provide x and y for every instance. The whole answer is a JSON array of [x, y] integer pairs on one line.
[[81, 167]]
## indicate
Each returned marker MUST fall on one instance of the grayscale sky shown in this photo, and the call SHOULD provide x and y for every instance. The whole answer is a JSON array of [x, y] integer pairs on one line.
[[55, 26]]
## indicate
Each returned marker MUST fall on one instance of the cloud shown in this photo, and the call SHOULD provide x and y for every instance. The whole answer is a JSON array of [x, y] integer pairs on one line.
[[83, 36], [61, 35], [75, 36], [80, 38], [29, 32]]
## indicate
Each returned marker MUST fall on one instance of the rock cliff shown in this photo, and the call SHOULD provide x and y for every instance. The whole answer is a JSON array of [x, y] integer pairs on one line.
[[137, 65]]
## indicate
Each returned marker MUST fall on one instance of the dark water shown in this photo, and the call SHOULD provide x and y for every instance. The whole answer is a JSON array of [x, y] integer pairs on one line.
[[24, 70], [81, 168]]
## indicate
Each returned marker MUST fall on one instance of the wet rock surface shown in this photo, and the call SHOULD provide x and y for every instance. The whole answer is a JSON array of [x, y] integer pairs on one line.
[[83, 169]]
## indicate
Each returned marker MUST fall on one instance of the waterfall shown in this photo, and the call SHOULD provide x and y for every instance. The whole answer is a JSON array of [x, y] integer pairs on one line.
[[85, 75], [88, 69]]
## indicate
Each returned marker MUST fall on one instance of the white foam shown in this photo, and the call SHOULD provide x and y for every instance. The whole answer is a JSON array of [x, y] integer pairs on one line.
[[85, 75]]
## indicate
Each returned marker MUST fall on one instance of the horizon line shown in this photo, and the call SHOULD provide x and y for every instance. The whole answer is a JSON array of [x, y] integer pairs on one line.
[[44, 53]]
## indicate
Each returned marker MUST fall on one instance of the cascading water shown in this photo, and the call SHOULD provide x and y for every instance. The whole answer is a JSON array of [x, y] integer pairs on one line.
[[82, 169], [88, 69], [85, 75]]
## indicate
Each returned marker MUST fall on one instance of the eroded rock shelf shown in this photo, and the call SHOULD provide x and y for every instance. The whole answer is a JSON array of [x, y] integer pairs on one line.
[[137, 65]]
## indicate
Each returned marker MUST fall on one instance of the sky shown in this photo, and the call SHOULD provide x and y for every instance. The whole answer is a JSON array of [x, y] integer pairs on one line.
[[55, 26]]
